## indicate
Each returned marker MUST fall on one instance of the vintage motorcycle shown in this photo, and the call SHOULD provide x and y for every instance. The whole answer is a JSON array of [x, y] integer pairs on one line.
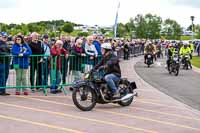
[[93, 89]]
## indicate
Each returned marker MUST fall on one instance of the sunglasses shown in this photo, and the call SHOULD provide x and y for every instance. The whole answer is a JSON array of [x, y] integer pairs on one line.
[[18, 39]]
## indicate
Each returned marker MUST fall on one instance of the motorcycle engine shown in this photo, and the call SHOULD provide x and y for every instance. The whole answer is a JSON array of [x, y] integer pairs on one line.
[[104, 89]]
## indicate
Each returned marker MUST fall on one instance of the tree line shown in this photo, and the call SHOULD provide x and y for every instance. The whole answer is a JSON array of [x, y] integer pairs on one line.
[[142, 26]]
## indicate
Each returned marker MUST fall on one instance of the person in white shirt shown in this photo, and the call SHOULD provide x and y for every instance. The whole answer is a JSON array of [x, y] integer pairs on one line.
[[91, 53]]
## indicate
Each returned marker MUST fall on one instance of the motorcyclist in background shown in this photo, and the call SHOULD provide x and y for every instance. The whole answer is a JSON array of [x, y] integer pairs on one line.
[[185, 50], [170, 53], [149, 49]]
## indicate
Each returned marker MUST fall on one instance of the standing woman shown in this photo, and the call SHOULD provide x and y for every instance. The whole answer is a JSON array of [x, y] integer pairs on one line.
[[21, 52]]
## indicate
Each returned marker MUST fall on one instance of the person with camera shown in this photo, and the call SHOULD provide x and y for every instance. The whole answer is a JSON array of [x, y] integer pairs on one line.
[[21, 52]]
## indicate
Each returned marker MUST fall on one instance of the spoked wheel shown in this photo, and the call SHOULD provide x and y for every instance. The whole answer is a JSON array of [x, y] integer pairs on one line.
[[124, 90], [84, 98]]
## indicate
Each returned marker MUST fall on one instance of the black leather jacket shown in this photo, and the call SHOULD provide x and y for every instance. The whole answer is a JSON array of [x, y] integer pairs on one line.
[[110, 64]]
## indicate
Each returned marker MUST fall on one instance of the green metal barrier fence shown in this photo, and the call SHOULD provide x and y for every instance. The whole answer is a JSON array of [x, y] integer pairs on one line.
[[43, 72]]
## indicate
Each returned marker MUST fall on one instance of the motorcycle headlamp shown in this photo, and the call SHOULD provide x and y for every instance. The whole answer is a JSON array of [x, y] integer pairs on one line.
[[86, 76]]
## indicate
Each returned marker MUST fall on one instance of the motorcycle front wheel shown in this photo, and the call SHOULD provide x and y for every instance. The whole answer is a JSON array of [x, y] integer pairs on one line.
[[84, 98], [177, 72]]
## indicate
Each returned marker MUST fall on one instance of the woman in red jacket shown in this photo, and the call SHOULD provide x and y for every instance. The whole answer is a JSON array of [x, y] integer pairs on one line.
[[56, 65]]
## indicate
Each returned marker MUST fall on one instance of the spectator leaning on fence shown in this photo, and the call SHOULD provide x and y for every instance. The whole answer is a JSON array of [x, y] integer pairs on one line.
[[91, 53], [4, 63], [45, 60], [65, 61], [56, 65], [21, 52], [76, 60], [36, 61]]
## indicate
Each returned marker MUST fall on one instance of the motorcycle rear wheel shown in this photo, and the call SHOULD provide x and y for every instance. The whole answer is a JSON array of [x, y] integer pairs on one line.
[[127, 89]]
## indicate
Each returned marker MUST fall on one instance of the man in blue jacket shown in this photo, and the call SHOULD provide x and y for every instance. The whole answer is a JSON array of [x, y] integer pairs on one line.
[[97, 45], [4, 63]]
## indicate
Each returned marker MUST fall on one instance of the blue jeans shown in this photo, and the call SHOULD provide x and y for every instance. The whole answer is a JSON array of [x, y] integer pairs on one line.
[[56, 80], [111, 79], [45, 73], [4, 71]]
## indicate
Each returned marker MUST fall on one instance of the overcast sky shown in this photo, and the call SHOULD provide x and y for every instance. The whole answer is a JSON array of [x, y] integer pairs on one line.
[[100, 12]]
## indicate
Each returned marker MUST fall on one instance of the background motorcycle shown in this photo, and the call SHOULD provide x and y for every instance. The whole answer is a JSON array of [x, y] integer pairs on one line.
[[93, 89], [186, 61], [174, 64], [149, 59]]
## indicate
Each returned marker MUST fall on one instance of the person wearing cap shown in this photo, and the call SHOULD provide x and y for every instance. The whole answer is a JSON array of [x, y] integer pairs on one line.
[[4, 63], [56, 65], [111, 67], [46, 50], [21, 52]]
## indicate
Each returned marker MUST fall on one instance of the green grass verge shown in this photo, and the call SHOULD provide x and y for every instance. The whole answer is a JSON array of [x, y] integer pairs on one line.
[[196, 61], [186, 38]]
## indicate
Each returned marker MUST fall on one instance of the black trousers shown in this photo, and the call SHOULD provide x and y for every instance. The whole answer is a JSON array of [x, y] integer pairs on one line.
[[35, 67]]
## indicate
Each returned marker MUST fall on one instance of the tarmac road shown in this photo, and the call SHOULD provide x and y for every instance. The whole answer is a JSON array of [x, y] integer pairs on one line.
[[185, 87]]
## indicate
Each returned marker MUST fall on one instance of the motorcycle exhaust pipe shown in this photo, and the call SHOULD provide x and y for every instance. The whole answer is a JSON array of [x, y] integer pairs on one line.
[[127, 97]]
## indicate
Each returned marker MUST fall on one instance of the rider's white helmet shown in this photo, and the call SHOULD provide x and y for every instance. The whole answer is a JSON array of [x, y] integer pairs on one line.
[[185, 43], [106, 46]]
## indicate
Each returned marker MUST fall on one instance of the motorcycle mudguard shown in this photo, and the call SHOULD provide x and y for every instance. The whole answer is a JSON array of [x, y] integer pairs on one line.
[[133, 85], [86, 83], [80, 83]]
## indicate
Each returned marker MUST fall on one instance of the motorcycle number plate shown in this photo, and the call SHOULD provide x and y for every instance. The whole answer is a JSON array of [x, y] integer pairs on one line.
[[175, 59]]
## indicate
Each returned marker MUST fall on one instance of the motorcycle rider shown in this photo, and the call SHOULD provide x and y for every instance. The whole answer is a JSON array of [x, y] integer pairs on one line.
[[149, 49], [184, 51], [110, 65], [169, 54]]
